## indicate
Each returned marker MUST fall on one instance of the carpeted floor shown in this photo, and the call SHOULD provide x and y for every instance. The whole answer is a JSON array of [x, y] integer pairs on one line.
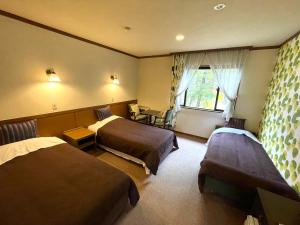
[[172, 196]]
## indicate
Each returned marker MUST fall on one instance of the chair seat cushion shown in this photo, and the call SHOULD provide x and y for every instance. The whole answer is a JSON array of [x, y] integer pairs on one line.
[[159, 121], [140, 117]]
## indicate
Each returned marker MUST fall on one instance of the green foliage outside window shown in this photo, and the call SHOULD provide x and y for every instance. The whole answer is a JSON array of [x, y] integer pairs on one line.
[[203, 91]]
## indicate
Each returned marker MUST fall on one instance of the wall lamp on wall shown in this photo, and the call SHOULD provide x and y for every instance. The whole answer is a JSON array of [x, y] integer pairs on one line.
[[114, 79], [52, 76]]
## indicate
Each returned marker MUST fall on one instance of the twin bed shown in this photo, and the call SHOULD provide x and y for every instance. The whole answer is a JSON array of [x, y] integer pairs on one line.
[[45, 181], [59, 184], [143, 144], [235, 156]]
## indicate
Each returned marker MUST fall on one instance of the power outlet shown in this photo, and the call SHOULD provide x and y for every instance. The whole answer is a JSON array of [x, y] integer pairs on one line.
[[54, 107]]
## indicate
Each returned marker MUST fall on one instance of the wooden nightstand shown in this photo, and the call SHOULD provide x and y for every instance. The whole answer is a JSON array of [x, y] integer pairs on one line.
[[79, 137], [274, 209]]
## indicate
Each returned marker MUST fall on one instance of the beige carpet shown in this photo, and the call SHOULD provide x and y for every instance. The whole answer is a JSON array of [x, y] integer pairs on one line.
[[172, 196]]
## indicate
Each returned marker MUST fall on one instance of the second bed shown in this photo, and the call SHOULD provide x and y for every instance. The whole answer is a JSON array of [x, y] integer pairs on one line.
[[134, 141]]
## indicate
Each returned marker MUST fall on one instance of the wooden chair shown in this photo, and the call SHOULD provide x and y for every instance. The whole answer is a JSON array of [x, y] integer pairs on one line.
[[165, 121]]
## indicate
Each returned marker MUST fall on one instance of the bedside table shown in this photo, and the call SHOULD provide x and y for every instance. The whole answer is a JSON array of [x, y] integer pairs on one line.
[[79, 137], [274, 209]]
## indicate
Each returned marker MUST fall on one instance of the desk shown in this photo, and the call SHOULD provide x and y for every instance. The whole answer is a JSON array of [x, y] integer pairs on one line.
[[152, 113]]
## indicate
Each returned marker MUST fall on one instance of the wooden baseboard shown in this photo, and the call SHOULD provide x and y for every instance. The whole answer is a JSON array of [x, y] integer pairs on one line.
[[191, 135]]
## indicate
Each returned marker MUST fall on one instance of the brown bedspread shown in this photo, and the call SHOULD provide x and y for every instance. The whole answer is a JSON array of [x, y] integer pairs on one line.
[[148, 143], [240, 160], [61, 185]]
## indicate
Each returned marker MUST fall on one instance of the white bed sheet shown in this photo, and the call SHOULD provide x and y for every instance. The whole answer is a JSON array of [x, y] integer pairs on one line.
[[234, 131], [20, 148], [96, 126]]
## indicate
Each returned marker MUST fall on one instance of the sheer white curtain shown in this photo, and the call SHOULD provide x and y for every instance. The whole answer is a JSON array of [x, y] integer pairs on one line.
[[228, 66], [192, 62]]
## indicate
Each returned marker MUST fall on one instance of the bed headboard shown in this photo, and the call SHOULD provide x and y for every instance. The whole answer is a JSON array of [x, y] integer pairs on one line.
[[53, 124]]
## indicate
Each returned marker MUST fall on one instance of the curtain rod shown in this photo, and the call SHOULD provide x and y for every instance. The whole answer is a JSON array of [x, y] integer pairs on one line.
[[226, 49]]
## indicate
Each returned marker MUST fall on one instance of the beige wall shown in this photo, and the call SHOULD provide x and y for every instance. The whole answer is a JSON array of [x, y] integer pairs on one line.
[[254, 87], [27, 51], [155, 77], [154, 82]]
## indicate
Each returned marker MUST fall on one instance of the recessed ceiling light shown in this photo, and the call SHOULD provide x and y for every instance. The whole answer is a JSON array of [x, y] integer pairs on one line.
[[219, 6], [179, 37], [127, 28]]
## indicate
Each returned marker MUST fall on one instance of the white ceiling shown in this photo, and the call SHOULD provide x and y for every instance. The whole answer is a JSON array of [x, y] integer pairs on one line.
[[155, 23]]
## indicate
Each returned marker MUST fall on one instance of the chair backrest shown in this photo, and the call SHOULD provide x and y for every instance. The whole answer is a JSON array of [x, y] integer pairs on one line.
[[169, 116], [134, 108]]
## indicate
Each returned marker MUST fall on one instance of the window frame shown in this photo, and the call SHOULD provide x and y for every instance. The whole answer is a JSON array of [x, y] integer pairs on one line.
[[203, 109]]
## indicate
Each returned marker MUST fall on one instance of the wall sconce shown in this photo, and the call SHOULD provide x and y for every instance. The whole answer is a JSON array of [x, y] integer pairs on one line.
[[52, 76], [114, 79]]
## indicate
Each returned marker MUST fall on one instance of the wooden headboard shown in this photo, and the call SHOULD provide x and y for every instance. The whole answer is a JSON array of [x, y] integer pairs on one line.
[[53, 124]]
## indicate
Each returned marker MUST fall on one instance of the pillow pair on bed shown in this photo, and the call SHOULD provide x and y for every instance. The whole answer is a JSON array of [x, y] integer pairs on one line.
[[14, 132], [103, 113]]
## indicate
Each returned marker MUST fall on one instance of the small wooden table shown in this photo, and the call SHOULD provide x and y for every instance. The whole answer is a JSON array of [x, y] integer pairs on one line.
[[150, 113], [79, 137]]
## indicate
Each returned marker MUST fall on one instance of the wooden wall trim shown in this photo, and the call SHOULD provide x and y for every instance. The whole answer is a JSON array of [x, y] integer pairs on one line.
[[290, 38], [265, 47], [43, 26], [203, 139], [53, 114], [155, 56], [212, 50], [251, 48], [53, 124]]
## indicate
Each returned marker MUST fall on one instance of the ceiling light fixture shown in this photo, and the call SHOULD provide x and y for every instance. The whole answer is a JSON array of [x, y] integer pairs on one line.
[[179, 37], [127, 28], [219, 6]]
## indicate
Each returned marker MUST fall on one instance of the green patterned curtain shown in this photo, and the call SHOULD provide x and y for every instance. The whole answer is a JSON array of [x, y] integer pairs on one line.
[[178, 69], [280, 125]]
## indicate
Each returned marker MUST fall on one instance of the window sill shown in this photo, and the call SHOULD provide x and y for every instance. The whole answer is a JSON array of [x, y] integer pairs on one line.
[[201, 109]]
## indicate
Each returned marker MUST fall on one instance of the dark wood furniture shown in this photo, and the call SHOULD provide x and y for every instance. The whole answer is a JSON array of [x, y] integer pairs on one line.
[[152, 114], [79, 137], [274, 209], [237, 123]]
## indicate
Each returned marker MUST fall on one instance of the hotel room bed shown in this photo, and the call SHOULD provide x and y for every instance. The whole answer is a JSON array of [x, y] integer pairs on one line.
[[59, 185], [150, 145], [241, 160]]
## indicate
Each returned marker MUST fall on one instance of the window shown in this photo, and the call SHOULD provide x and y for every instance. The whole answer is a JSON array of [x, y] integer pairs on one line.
[[203, 92]]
